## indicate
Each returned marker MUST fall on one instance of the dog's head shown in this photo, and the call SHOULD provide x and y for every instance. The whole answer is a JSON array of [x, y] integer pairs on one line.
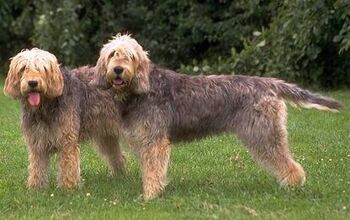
[[123, 65], [34, 74]]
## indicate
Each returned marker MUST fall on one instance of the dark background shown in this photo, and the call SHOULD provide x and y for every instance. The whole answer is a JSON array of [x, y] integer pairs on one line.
[[300, 41]]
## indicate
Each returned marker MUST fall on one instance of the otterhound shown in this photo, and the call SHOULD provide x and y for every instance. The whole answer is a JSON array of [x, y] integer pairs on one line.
[[58, 110], [159, 106]]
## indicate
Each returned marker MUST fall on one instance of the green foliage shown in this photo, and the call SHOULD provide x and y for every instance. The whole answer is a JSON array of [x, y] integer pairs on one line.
[[57, 29], [178, 31], [16, 26], [342, 6], [174, 31], [306, 41], [303, 41]]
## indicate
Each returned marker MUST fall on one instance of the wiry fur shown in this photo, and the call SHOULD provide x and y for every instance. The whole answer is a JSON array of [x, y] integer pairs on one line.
[[125, 52], [74, 113], [177, 107]]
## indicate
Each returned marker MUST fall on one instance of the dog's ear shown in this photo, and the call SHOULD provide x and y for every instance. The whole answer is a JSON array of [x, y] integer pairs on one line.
[[101, 65], [54, 79], [100, 80], [141, 80], [13, 79]]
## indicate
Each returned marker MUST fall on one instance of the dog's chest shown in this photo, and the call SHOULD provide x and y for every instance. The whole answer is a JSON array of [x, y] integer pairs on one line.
[[127, 108], [41, 132]]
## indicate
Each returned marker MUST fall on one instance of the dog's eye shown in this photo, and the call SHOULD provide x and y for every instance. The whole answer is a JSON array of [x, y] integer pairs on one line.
[[45, 69], [111, 55]]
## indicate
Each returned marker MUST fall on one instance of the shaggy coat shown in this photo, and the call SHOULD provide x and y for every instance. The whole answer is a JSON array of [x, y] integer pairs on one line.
[[57, 124], [173, 107], [183, 108]]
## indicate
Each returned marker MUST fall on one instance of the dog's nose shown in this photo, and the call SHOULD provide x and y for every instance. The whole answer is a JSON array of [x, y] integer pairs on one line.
[[33, 83], [118, 70]]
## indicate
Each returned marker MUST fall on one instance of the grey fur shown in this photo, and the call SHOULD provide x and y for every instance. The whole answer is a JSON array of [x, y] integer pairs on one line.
[[185, 107], [81, 113], [181, 108], [158, 107]]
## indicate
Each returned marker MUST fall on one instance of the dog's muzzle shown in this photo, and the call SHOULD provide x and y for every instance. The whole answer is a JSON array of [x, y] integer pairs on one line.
[[118, 81]]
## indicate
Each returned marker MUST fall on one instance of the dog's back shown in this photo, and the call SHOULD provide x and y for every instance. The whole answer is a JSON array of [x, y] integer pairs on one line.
[[84, 73], [196, 106]]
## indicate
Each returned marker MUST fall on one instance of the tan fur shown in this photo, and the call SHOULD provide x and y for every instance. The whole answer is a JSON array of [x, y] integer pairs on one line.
[[154, 162], [275, 155], [316, 106], [174, 107], [69, 112], [26, 66], [125, 52]]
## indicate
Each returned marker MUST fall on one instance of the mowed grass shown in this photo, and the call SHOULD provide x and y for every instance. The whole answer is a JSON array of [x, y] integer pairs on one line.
[[214, 178]]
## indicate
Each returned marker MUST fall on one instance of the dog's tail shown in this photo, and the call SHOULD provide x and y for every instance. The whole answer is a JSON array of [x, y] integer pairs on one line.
[[304, 98]]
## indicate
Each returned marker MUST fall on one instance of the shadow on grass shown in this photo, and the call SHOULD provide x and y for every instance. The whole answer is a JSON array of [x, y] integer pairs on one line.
[[129, 186]]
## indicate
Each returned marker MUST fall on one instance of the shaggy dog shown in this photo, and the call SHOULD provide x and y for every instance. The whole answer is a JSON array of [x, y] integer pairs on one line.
[[158, 107], [58, 110]]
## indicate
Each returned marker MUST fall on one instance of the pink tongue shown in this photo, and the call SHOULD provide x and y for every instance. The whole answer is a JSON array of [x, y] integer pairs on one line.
[[34, 98], [118, 82]]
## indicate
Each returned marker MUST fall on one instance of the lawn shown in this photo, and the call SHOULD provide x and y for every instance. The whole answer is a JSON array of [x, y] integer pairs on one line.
[[214, 178]]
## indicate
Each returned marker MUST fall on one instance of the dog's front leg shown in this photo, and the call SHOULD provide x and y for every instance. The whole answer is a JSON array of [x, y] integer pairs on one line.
[[154, 165], [69, 164], [38, 167]]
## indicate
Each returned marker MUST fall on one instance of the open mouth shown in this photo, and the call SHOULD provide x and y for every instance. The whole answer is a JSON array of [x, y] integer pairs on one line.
[[34, 99], [118, 82]]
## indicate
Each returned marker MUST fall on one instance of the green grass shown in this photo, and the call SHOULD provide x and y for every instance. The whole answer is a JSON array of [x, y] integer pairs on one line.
[[214, 178]]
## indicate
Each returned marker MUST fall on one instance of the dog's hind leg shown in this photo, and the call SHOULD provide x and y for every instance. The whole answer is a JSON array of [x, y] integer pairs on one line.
[[154, 165], [263, 130], [109, 148]]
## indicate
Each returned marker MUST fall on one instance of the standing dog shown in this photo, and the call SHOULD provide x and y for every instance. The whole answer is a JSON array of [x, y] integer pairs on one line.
[[159, 106], [58, 110]]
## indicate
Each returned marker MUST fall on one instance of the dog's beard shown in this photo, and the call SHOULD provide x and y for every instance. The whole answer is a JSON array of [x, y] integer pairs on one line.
[[120, 85], [117, 79]]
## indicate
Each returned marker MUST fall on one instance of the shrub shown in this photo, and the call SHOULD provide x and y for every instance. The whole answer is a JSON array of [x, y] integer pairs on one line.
[[306, 41], [174, 31]]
